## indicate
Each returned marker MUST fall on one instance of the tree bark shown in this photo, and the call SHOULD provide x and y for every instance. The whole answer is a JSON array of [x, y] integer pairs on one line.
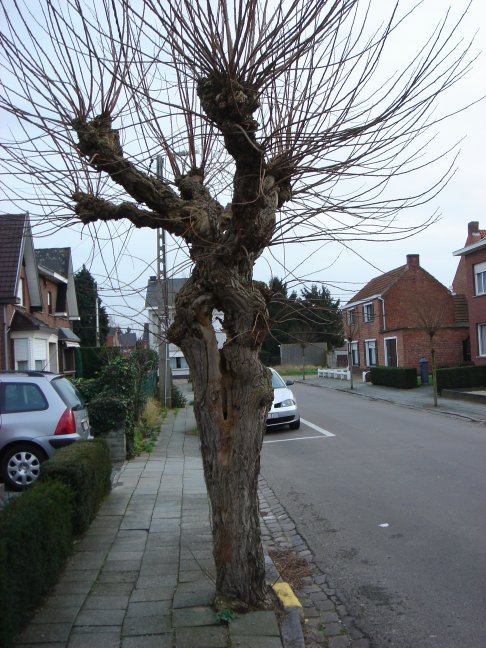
[[232, 395]]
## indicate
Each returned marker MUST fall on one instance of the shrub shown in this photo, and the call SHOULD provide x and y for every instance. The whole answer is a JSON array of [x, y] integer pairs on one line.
[[91, 360], [36, 539], [178, 398], [85, 467], [401, 377], [456, 377], [148, 427]]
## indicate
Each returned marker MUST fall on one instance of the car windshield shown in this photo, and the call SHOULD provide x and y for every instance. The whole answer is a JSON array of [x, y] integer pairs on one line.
[[68, 392], [277, 381]]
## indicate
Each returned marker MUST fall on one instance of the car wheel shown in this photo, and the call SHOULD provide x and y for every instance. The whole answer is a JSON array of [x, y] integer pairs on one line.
[[295, 425], [20, 465]]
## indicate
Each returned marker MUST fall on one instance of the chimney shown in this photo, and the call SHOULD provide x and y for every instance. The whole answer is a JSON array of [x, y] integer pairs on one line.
[[473, 229], [413, 260]]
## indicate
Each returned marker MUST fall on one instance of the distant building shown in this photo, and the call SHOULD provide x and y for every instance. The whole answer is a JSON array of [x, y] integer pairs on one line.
[[470, 281], [37, 301], [154, 303], [385, 320]]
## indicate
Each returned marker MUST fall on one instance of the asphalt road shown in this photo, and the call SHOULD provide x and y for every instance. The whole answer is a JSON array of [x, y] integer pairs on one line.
[[393, 506]]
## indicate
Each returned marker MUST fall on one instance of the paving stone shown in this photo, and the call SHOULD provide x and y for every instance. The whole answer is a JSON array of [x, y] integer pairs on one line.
[[111, 589], [193, 599], [329, 617], [149, 641], [161, 593], [196, 616], [202, 637], [361, 643], [115, 602], [51, 614], [339, 642], [256, 624], [112, 576], [100, 618], [332, 629], [95, 639], [147, 625], [148, 608], [66, 600], [248, 641], [45, 633]]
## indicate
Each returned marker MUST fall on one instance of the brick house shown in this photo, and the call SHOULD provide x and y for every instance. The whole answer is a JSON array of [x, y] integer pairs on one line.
[[470, 280], [37, 301], [389, 321]]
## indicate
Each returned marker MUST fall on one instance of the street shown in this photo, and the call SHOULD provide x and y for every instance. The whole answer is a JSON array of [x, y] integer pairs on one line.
[[392, 502]]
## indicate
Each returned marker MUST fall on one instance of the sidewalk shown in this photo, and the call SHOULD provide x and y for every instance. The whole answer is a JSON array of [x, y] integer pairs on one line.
[[143, 575], [420, 398]]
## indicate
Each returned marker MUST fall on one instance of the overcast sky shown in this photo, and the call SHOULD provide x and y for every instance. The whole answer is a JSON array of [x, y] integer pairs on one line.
[[344, 270]]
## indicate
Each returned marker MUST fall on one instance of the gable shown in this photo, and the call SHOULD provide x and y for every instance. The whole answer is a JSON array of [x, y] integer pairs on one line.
[[17, 247]]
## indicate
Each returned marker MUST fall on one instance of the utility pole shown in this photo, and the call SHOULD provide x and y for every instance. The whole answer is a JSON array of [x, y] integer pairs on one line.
[[163, 309]]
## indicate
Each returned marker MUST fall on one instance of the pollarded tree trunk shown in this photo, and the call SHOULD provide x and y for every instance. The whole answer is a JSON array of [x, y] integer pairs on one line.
[[232, 391]]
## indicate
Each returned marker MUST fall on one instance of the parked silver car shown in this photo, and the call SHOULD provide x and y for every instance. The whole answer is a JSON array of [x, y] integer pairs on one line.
[[284, 410], [39, 413]]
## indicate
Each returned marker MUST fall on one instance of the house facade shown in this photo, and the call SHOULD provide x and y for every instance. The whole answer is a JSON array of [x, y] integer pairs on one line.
[[392, 319], [37, 302], [470, 280], [156, 297]]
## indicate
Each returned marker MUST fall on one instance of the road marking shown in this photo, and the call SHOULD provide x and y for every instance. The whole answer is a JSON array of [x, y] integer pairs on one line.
[[295, 439], [317, 428], [325, 433]]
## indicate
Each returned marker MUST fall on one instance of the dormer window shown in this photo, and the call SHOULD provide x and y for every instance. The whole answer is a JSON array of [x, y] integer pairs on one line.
[[368, 312]]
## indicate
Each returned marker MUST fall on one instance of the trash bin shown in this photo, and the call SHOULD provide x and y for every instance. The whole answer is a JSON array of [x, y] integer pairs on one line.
[[424, 371]]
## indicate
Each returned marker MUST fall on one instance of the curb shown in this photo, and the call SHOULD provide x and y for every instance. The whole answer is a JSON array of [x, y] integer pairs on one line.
[[292, 634]]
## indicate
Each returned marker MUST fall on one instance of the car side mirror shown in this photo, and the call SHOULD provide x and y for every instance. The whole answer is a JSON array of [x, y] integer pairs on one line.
[[289, 382]]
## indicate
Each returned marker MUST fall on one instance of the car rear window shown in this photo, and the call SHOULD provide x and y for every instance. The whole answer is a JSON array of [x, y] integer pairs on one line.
[[68, 392], [22, 397]]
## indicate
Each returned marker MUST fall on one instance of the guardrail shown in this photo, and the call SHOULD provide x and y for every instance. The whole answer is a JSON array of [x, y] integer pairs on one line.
[[338, 374]]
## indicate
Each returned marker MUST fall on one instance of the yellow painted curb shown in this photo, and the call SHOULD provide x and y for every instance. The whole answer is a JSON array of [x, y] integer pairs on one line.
[[286, 595]]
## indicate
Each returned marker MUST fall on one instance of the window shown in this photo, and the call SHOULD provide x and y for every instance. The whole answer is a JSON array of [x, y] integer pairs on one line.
[[355, 354], [368, 312], [370, 353], [352, 316], [22, 397], [49, 302], [480, 278], [482, 339], [20, 292]]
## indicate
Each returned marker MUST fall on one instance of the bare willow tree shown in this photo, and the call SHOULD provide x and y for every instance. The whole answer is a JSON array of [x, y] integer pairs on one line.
[[277, 124]]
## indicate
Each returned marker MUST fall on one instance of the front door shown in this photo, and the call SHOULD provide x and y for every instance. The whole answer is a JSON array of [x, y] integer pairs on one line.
[[391, 352]]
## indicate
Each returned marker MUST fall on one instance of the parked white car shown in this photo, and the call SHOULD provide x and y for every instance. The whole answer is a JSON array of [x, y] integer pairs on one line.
[[284, 410]]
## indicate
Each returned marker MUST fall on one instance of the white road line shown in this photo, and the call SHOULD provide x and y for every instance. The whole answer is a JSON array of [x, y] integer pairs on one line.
[[294, 439], [324, 433], [317, 428]]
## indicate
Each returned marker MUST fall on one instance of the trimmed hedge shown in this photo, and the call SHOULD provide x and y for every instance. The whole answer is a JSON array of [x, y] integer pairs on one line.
[[36, 539], [85, 467], [400, 377], [455, 377]]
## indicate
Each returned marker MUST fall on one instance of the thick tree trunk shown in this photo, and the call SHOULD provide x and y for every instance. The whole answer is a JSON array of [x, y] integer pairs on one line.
[[232, 394]]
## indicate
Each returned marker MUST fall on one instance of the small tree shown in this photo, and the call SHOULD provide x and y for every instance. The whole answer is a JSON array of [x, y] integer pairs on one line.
[[350, 320], [432, 314], [92, 327]]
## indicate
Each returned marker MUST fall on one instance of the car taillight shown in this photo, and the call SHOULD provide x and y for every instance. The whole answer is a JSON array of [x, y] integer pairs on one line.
[[67, 423]]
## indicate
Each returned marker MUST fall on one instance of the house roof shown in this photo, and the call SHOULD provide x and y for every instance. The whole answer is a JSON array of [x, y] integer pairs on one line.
[[12, 228], [128, 340], [17, 246], [155, 295], [378, 286], [55, 259]]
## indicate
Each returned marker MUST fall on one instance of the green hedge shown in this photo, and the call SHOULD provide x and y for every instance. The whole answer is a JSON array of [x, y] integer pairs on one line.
[[461, 377], [35, 540], [85, 467], [91, 360], [401, 377]]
